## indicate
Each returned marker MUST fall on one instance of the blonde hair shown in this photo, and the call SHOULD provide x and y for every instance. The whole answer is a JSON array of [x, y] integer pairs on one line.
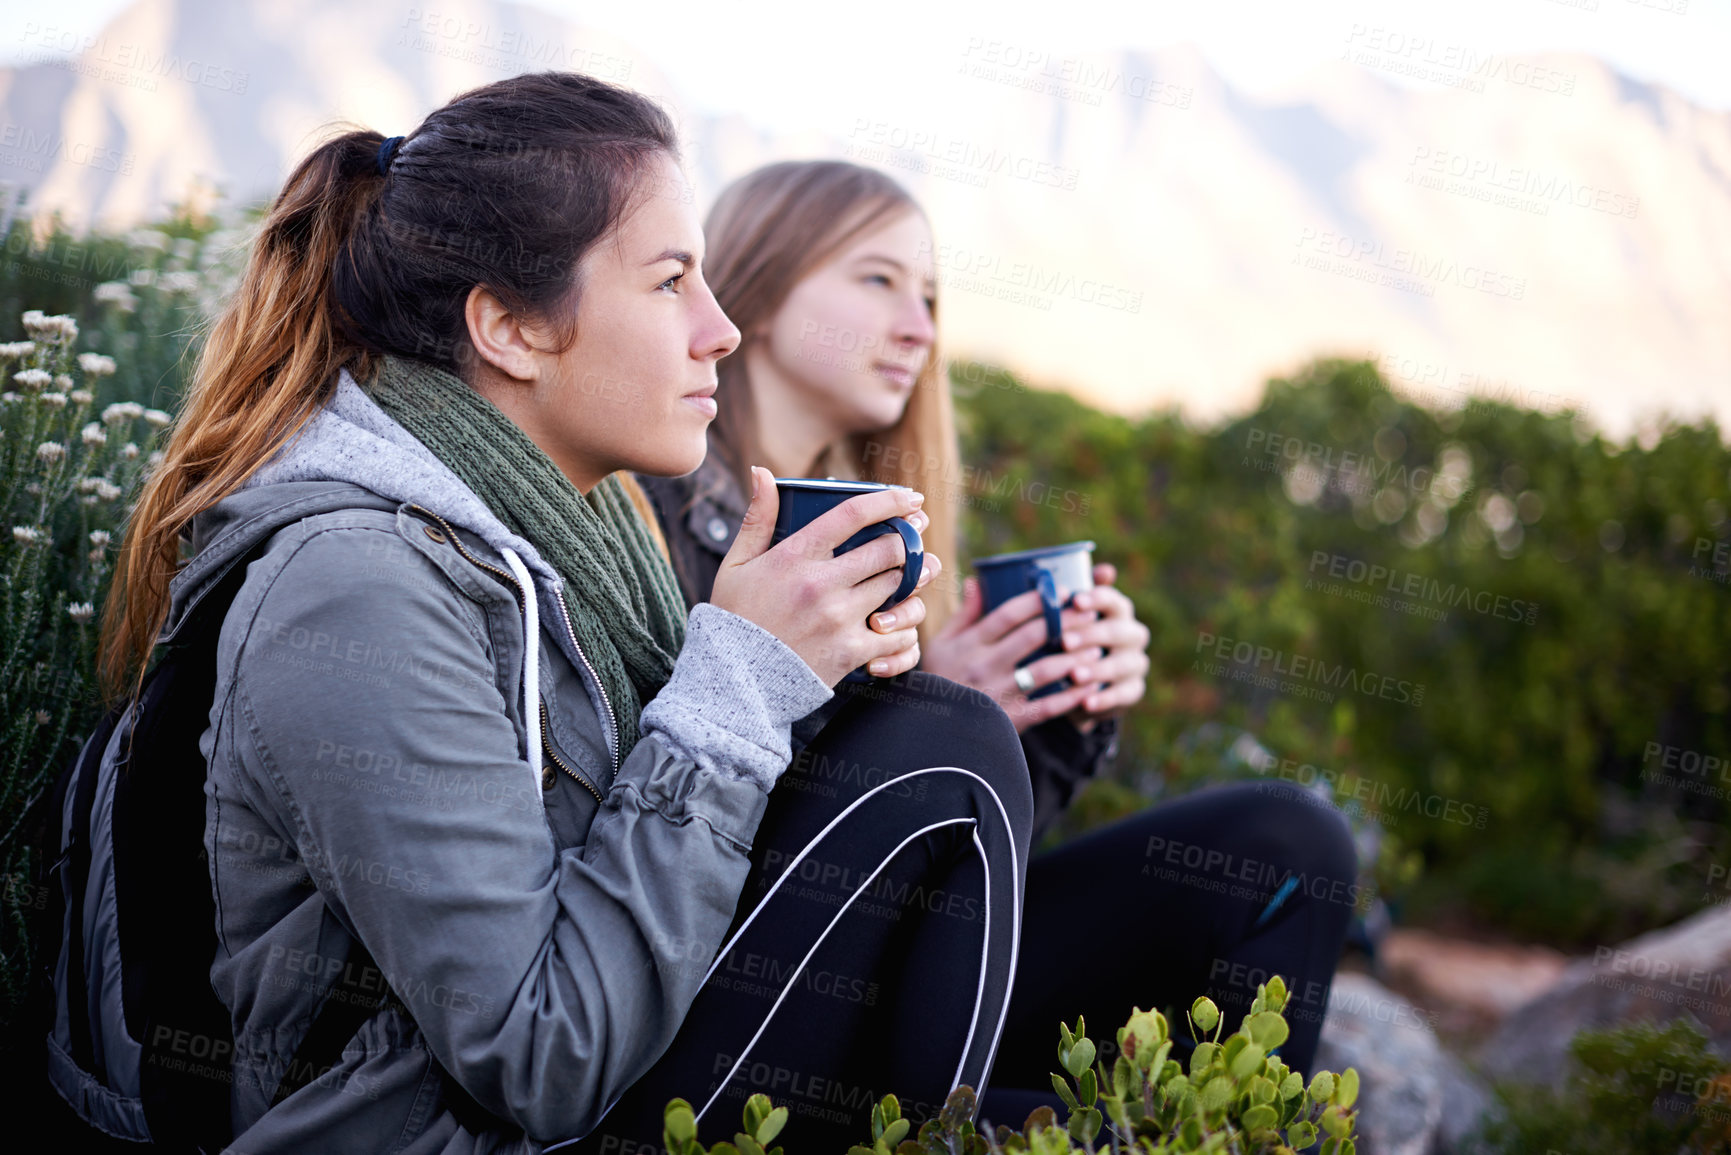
[[766, 232]]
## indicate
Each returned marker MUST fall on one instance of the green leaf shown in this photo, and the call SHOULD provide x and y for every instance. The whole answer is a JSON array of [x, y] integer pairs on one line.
[[679, 1124], [1322, 1086], [1081, 1058], [1347, 1093], [1202, 1056], [1085, 1124], [891, 1107], [1039, 1117], [748, 1145], [1268, 1029], [772, 1125], [1126, 1079], [1090, 1088], [1276, 993], [1204, 1014], [757, 1109], [1300, 1135], [1259, 1118], [1262, 1090], [1248, 1062], [1334, 1122], [896, 1132], [1217, 1092], [1292, 1086], [1063, 1088]]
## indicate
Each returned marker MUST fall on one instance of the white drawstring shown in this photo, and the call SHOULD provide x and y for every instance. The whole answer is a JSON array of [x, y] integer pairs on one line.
[[531, 659]]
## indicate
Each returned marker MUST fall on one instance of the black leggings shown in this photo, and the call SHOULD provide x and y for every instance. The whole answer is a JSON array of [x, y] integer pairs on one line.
[[1210, 894], [874, 946], [875, 937]]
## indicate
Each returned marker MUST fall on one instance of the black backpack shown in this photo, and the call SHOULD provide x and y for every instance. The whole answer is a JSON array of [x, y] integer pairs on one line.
[[139, 1045]]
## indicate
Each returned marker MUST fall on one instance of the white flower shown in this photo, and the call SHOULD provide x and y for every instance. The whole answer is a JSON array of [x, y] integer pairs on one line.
[[95, 364], [88, 499], [156, 417], [88, 485], [106, 490], [99, 538], [185, 249], [178, 283], [116, 293], [33, 379], [50, 452], [129, 451], [123, 411], [11, 396], [155, 458], [63, 382], [25, 534], [43, 717], [54, 330], [81, 612], [93, 435], [154, 239], [82, 396], [143, 278], [54, 400], [16, 349]]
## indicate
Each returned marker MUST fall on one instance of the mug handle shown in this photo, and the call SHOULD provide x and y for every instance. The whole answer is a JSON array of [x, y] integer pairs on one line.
[[1051, 606], [911, 565]]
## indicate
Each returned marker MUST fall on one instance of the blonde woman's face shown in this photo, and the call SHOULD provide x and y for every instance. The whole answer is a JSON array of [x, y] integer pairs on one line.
[[855, 333]]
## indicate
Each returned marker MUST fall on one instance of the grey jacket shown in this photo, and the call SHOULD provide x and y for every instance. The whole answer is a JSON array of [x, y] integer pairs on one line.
[[701, 513], [388, 759]]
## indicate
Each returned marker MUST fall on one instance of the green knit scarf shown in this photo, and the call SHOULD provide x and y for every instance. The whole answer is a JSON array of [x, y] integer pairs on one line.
[[624, 600]]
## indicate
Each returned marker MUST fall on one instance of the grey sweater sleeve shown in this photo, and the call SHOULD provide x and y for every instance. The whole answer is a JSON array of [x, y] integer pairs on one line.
[[735, 692]]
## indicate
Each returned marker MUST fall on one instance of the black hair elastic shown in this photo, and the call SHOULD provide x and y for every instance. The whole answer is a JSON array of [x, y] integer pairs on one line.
[[388, 150]]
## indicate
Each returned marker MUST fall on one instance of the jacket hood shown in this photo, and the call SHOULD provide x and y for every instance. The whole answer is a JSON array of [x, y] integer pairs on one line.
[[352, 444]]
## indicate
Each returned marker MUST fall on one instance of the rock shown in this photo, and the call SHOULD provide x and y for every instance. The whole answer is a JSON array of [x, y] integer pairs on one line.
[[1473, 985], [1415, 1098], [1681, 970]]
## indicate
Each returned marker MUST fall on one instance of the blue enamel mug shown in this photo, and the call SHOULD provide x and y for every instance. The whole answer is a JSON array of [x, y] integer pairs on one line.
[[1057, 571], [805, 499]]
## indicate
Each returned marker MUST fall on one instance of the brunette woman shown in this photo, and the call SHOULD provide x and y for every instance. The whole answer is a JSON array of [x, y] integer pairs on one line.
[[463, 724], [827, 269]]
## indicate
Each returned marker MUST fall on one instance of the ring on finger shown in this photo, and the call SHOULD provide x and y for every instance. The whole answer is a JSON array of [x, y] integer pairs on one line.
[[1025, 679]]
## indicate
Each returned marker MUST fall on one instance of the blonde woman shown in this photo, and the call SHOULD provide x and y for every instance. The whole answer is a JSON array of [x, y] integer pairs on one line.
[[826, 267]]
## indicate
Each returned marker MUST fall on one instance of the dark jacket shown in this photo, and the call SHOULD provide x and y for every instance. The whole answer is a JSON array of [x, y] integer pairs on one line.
[[701, 513]]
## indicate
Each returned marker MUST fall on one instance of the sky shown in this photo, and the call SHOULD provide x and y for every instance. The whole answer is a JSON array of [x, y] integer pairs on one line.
[[716, 49]]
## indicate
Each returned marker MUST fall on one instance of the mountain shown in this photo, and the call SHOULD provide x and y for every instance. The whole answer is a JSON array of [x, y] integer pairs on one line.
[[1125, 225]]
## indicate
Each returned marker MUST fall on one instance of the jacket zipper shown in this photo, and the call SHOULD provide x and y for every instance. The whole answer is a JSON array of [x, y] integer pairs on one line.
[[511, 581]]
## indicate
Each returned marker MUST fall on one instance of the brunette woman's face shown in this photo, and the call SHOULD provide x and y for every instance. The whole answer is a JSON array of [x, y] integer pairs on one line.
[[854, 334], [633, 390]]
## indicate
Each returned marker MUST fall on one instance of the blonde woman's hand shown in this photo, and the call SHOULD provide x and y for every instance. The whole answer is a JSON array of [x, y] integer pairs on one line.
[[818, 604], [981, 650], [1120, 677]]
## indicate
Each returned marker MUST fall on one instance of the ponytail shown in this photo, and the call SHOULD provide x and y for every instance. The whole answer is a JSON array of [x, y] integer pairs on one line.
[[268, 364]]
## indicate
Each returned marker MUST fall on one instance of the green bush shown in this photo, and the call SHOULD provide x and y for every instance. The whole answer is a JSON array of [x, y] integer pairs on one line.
[[1236, 1096], [1640, 1089], [1530, 739], [66, 483]]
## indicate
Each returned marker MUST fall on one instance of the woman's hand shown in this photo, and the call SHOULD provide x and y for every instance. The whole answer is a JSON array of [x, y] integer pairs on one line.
[[817, 603], [982, 652], [1120, 678]]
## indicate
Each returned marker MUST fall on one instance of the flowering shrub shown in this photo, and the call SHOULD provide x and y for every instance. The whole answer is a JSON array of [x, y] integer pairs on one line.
[[1236, 1096], [68, 474]]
